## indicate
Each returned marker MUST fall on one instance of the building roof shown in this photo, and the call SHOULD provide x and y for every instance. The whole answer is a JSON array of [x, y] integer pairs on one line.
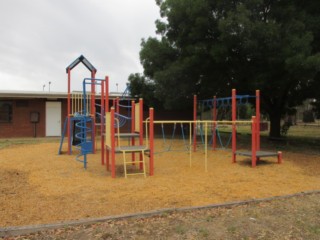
[[17, 94]]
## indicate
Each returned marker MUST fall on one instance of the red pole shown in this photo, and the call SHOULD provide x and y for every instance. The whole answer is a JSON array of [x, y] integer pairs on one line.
[[117, 105], [253, 142], [234, 130], [69, 111], [107, 159], [141, 128], [107, 95], [214, 140], [133, 109], [133, 127], [102, 112], [258, 118], [279, 157], [194, 123], [113, 154], [151, 137], [107, 110]]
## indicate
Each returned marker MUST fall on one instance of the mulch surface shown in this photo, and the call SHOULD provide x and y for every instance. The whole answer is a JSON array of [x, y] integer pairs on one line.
[[294, 217], [39, 186]]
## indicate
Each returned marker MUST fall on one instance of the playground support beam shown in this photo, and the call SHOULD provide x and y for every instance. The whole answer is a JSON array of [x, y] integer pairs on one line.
[[258, 118], [254, 142], [69, 112], [141, 128], [117, 107], [214, 114], [133, 127], [93, 109], [113, 145], [151, 139], [234, 130], [107, 94], [194, 124], [102, 113]]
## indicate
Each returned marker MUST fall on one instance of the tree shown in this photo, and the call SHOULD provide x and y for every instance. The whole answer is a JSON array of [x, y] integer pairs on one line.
[[208, 47], [270, 48], [141, 87]]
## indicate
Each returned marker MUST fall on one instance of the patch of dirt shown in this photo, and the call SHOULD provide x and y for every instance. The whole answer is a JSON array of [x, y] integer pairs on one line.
[[290, 218], [39, 186]]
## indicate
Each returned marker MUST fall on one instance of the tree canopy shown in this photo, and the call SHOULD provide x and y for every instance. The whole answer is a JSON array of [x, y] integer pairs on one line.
[[208, 47]]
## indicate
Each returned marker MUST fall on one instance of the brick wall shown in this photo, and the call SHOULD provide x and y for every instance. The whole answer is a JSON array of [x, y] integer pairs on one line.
[[21, 125]]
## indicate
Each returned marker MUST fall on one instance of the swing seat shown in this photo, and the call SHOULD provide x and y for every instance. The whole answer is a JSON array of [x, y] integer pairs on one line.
[[260, 154]]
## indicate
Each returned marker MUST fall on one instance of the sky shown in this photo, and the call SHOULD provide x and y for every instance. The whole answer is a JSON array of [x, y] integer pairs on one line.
[[40, 38]]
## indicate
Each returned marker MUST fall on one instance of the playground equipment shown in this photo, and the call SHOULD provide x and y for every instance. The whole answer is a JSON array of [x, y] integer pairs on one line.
[[84, 119], [255, 152], [75, 109], [218, 109], [86, 143], [207, 124], [113, 143], [168, 138], [85, 115]]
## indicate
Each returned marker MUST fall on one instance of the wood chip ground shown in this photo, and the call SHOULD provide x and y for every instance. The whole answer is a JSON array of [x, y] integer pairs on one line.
[[39, 186]]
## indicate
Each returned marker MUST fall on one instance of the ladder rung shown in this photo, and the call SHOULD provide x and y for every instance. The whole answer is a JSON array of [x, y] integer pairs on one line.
[[125, 163]]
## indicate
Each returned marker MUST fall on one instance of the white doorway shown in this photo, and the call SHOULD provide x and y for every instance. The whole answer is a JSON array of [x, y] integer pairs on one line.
[[53, 119]]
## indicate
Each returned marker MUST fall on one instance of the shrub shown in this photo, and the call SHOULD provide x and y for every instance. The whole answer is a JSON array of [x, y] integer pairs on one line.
[[308, 116]]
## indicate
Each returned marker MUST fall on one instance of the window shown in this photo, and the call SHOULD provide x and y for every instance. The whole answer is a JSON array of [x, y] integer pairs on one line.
[[5, 112]]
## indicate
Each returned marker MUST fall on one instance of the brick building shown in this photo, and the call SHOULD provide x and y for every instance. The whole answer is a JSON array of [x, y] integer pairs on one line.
[[33, 114]]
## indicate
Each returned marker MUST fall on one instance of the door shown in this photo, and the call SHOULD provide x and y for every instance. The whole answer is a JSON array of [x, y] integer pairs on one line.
[[53, 119]]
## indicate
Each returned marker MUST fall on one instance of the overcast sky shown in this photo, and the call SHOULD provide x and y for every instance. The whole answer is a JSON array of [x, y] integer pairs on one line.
[[40, 38]]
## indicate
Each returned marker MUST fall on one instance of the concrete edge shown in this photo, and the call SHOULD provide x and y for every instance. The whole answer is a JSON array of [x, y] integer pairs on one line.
[[22, 230]]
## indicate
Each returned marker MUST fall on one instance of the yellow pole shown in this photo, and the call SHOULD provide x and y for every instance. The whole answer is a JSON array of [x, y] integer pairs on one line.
[[190, 143], [79, 103], [206, 146]]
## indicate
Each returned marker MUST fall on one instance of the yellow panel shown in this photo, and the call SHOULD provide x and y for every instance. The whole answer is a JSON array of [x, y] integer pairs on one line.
[[108, 127], [137, 117]]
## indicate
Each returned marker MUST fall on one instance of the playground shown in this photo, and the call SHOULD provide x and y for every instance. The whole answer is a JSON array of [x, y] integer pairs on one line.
[[39, 186], [110, 164]]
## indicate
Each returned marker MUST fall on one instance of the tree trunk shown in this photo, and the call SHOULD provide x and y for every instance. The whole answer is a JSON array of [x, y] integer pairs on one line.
[[275, 125]]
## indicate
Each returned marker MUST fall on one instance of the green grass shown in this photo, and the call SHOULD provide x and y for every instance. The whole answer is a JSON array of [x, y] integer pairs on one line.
[[304, 131], [299, 138], [19, 141]]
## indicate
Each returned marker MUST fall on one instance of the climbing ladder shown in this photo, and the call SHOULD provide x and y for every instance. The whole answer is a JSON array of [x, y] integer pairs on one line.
[[113, 145], [85, 132], [132, 149], [74, 137]]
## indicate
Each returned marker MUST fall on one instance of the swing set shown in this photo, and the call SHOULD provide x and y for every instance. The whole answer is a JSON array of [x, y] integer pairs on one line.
[[235, 100], [204, 127]]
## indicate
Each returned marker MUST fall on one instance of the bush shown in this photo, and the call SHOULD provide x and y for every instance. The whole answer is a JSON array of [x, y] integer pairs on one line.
[[285, 128], [308, 116]]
